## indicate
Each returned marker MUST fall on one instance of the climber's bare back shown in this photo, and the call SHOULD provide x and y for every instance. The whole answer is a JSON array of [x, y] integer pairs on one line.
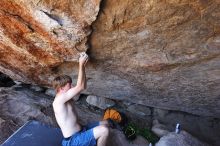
[[66, 116]]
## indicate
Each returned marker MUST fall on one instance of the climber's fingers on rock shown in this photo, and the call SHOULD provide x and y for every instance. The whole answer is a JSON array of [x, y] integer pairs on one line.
[[83, 54], [86, 61]]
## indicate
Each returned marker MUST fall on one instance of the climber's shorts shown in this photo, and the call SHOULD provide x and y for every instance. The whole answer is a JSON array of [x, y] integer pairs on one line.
[[85, 137]]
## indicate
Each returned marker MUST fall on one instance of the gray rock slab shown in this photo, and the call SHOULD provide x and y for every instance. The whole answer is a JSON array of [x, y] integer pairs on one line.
[[99, 102], [181, 139]]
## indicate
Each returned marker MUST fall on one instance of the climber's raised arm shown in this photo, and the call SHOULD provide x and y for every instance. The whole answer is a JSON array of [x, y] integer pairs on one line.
[[81, 81], [67, 92]]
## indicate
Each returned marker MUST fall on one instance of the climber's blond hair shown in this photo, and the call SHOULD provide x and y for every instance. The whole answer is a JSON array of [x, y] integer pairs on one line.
[[61, 81]]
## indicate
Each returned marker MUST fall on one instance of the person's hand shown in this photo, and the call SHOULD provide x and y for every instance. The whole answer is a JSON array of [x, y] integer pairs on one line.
[[83, 58]]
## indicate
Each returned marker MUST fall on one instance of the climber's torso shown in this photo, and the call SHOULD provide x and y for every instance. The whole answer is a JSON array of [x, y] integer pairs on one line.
[[66, 117]]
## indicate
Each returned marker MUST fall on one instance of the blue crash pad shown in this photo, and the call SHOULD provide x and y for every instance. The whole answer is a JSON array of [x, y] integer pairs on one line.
[[34, 133]]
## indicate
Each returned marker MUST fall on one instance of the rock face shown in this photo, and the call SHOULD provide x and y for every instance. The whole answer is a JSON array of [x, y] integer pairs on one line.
[[159, 129], [168, 51], [24, 105], [100, 102], [19, 106], [158, 53], [38, 35]]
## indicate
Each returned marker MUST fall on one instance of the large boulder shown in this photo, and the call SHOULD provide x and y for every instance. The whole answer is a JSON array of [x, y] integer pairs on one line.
[[20, 105], [159, 129], [161, 54], [100, 102], [181, 139]]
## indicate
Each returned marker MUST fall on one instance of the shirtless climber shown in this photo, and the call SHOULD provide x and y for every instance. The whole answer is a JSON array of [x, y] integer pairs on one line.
[[66, 116]]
